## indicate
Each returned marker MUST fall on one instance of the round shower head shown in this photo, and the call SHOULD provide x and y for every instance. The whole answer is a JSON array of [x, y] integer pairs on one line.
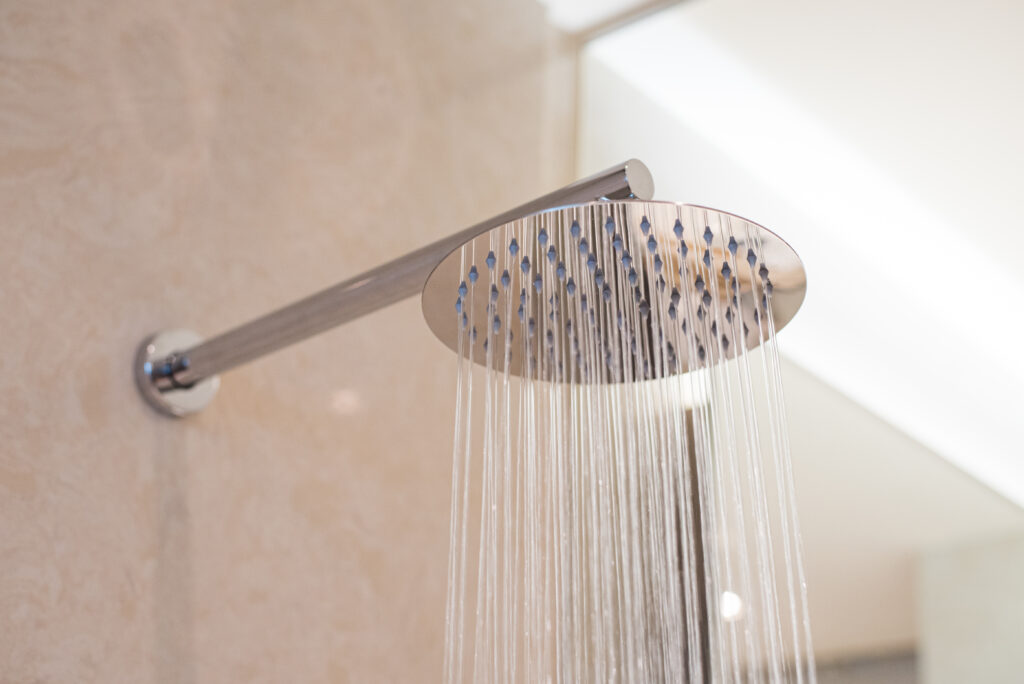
[[614, 290]]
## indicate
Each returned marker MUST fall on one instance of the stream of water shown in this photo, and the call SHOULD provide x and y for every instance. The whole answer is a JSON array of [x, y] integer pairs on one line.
[[622, 494]]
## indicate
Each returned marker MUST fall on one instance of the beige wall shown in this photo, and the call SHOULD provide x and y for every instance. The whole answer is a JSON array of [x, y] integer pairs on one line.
[[195, 164]]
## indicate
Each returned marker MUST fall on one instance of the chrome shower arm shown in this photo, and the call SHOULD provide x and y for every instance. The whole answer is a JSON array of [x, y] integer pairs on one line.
[[166, 374]]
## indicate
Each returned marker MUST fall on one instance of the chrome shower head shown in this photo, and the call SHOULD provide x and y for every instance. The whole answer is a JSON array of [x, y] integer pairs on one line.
[[176, 371], [664, 288]]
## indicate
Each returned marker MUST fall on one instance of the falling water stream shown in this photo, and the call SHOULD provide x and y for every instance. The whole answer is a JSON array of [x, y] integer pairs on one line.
[[622, 496]]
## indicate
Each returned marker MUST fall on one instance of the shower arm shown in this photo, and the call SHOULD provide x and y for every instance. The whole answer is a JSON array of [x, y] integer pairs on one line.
[[178, 381]]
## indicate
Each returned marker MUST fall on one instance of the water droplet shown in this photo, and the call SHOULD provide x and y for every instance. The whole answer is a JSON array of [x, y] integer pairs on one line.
[[684, 249], [627, 260], [473, 274], [497, 324], [513, 247], [560, 271], [699, 284], [708, 235], [574, 230], [632, 276], [763, 272], [617, 242], [707, 258], [733, 246], [678, 229], [494, 293], [652, 244], [707, 299], [751, 258], [726, 271], [599, 277], [525, 265], [458, 305], [591, 262], [672, 311], [462, 289], [606, 293], [583, 247], [645, 225], [657, 263], [506, 279], [675, 296], [570, 286], [537, 283], [552, 255], [490, 261], [542, 237], [609, 225]]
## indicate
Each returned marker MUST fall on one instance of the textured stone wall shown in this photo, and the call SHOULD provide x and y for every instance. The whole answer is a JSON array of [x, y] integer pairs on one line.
[[194, 164]]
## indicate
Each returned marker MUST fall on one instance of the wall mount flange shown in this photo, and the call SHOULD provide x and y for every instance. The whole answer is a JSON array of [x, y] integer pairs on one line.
[[154, 374]]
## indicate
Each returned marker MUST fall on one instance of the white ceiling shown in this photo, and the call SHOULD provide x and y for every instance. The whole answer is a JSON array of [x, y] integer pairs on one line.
[[883, 142], [888, 162]]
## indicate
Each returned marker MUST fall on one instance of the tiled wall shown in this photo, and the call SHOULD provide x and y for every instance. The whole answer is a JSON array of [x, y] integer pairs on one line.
[[196, 164]]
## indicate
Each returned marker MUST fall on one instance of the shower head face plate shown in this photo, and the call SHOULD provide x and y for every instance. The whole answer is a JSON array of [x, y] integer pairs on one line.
[[614, 290]]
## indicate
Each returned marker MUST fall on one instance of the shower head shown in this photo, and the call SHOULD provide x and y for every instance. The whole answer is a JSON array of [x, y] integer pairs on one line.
[[177, 371], [665, 288]]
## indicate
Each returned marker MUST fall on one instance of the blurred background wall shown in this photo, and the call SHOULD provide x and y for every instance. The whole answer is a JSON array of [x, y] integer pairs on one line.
[[195, 164]]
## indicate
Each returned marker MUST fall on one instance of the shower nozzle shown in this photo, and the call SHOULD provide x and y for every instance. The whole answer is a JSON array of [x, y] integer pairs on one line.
[[597, 252], [663, 289]]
